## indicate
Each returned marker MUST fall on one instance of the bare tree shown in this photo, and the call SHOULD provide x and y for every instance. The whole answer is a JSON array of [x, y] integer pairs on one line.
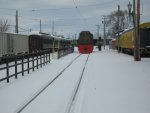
[[4, 25], [112, 22]]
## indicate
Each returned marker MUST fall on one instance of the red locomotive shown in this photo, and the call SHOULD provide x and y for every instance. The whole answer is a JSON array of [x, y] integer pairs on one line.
[[85, 42]]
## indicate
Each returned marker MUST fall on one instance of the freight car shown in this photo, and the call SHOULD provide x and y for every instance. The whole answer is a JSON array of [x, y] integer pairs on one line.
[[85, 42], [125, 43], [12, 44], [113, 44], [39, 42]]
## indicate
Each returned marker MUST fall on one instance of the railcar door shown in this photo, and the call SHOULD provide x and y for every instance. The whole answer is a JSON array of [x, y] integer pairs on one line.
[[148, 37]]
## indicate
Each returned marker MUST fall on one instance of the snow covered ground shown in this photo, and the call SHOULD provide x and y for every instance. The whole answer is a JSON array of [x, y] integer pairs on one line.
[[112, 83]]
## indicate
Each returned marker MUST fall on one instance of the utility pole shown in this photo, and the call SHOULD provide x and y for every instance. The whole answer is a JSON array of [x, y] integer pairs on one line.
[[118, 28], [136, 30], [75, 36], [129, 8], [40, 22], [98, 28], [40, 26], [104, 22], [16, 27], [53, 28]]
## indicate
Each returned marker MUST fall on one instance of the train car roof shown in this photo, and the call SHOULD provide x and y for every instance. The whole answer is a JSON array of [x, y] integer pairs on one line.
[[45, 35], [35, 33], [145, 25], [85, 32], [59, 38], [14, 33]]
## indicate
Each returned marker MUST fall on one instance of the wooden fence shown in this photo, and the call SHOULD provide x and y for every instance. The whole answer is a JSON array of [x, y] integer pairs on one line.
[[32, 61]]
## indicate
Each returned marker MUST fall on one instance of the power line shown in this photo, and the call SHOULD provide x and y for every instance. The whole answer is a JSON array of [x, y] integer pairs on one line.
[[42, 9], [84, 19], [98, 4], [65, 8], [75, 4], [8, 9]]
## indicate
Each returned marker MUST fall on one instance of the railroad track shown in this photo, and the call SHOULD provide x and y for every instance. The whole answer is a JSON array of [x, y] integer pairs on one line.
[[46, 86], [69, 110]]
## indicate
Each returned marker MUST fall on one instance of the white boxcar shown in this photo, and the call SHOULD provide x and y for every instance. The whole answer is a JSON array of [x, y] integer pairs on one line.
[[20, 43], [13, 43], [3, 44]]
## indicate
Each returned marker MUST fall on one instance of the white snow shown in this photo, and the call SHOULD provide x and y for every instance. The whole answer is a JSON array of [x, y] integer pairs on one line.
[[112, 83]]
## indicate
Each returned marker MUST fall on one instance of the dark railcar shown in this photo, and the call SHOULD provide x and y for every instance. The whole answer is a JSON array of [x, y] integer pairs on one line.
[[145, 38], [47, 42], [85, 42], [40, 42], [35, 43]]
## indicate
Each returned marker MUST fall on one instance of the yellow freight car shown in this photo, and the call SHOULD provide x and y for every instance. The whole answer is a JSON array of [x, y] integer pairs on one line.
[[125, 42]]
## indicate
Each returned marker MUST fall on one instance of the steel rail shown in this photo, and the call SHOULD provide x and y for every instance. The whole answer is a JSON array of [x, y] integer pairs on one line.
[[78, 86], [46, 86]]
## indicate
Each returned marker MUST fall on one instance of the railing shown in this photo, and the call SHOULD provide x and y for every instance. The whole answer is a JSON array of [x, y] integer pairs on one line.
[[31, 61], [65, 51], [25, 62]]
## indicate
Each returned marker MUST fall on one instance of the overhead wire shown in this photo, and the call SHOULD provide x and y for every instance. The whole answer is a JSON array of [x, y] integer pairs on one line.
[[65, 8], [76, 6], [84, 19]]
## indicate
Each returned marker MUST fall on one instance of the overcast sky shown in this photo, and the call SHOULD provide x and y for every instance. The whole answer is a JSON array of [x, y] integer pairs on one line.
[[69, 16]]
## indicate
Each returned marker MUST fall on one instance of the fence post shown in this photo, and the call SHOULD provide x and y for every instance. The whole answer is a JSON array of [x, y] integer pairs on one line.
[[63, 50], [49, 57], [16, 67], [22, 59], [44, 58], [58, 54], [41, 59], [28, 64], [37, 60], [7, 69], [33, 61]]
